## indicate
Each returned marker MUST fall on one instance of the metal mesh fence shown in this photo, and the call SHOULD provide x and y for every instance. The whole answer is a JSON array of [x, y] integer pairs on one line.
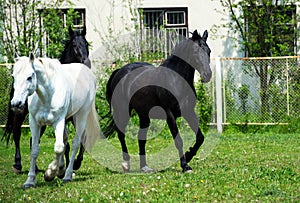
[[260, 90], [254, 90], [5, 87]]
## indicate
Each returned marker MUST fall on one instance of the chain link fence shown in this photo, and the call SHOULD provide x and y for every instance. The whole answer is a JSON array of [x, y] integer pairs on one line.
[[254, 90], [5, 87], [260, 90]]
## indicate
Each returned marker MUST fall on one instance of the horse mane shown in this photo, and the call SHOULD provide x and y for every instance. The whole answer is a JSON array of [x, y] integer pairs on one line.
[[50, 65]]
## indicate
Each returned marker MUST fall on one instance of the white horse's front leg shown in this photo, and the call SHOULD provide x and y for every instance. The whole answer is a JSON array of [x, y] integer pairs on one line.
[[61, 165], [59, 148], [35, 131]]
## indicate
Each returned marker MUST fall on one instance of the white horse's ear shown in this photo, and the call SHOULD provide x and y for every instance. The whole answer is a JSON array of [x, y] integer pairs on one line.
[[37, 53], [31, 57], [16, 57], [36, 50]]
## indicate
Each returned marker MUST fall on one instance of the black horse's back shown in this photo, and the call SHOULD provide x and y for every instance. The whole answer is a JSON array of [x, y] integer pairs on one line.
[[112, 82], [118, 74]]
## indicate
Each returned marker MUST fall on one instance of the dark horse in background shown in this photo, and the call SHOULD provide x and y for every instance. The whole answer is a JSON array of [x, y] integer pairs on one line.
[[164, 92], [75, 51]]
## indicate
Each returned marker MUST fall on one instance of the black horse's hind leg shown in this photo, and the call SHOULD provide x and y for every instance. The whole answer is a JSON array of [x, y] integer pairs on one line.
[[18, 120], [192, 120], [121, 124], [121, 135], [126, 157], [78, 160], [178, 141], [142, 139], [17, 167], [193, 150], [67, 151]]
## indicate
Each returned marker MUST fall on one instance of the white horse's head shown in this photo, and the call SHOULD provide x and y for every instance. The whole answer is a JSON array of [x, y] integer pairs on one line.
[[25, 81]]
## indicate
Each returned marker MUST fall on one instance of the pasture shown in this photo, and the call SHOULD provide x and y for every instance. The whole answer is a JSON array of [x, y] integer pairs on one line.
[[241, 168]]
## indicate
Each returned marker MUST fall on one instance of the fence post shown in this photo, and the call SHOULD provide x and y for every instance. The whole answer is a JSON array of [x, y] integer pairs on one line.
[[219, 95]]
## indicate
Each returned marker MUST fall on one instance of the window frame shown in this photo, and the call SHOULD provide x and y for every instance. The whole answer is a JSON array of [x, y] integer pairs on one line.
[[175, 24], [165, 11]]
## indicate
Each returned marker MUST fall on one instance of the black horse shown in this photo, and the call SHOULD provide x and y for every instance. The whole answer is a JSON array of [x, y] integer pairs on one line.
[[164, 92], [75, 51]]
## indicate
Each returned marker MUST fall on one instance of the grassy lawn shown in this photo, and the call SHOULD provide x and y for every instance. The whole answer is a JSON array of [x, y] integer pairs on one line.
[[241, 168]]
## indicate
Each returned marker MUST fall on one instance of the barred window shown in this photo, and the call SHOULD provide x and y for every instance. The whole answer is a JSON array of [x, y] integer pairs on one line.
[[174, 18], [168, 18]]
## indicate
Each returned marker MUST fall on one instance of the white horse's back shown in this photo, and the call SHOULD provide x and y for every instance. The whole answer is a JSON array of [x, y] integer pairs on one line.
[[82, 83]]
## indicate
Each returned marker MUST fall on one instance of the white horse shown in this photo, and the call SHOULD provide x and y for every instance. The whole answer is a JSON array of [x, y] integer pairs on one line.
[[55, 93]]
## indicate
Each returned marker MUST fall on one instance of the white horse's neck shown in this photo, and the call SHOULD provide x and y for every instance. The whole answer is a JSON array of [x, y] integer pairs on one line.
[[46, 77]]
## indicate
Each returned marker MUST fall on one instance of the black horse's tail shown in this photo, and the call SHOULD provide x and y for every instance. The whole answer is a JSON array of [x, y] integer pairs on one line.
[[14, 121], [9, 127], [111, 127]]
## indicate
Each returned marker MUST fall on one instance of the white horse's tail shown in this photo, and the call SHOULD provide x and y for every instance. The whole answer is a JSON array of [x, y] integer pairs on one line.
[[93, 132]]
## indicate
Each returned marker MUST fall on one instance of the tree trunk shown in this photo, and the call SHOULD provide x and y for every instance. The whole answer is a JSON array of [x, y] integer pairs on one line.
[[264, 93]]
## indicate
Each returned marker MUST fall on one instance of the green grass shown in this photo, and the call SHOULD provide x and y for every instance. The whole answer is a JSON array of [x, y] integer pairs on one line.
[[241, 168]]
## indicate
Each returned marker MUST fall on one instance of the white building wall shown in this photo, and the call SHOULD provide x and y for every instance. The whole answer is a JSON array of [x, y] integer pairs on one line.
[[202, 15]]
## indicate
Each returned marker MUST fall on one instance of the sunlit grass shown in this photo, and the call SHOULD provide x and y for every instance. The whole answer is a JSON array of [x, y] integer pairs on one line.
[[241, 168]]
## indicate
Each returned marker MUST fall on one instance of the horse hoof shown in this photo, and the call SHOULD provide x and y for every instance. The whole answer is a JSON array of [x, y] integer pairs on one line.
[[125, 166], [48, 178], [61, 176], [61, 172], [187, 169], [16, 171], [147, 169], [28, 185], [66, 180]]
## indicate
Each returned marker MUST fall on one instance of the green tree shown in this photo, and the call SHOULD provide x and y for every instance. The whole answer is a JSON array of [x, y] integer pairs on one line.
[[264, 28], [243, 93], [53, 22], [22, 26]]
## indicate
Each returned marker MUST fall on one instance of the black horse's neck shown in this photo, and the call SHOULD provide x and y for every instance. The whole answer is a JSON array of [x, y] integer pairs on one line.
[[68, 56], [181, 67], [75, 50]]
